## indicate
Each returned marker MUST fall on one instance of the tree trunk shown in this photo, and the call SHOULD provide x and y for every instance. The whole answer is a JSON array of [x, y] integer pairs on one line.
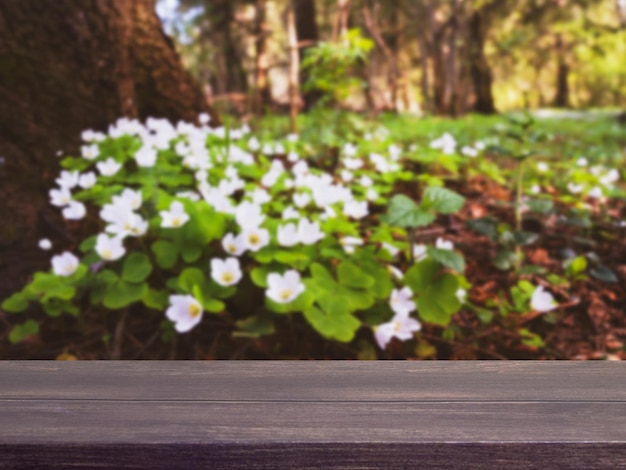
[[294, 68], [262, 92], [479, 67], [308, 36], [232, 76], [66, 66], [561, 100]]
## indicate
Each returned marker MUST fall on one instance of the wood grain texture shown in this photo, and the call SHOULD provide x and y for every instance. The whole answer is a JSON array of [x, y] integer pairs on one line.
[[319, 381], [463, 415]]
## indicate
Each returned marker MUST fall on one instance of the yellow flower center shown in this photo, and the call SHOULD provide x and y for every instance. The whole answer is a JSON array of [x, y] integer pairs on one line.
[[231, 248], [254, 239], [194, 310], [69, 268], [284, 295], [397, 326], [176, 222], [228, 277], [106, 254]]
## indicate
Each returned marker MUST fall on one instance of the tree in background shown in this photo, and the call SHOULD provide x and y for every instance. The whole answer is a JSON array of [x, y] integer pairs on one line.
[[66, 66]]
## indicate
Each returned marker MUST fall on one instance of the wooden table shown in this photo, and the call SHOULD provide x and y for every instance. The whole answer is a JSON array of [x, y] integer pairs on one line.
[[465, 415]]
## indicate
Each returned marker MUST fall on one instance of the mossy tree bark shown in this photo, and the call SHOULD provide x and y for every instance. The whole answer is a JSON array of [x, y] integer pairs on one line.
[[65, 66]]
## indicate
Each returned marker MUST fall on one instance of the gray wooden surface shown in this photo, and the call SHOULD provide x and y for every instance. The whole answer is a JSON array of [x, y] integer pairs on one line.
[[313, 415]]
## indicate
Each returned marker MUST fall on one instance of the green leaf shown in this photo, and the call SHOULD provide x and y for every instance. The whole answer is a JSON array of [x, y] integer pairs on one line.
[[189, 278], [20, 332], [421, 275], [351, 276], [442, 200], [576, 266], [190, 252], [450, 259], [155, 299], [255, 326], [603, 273], [339, 326], [137, 267], [213, 305], [123, 294], [438, 302], [543, 206], [18, 302], [487, 226], [525, 238], [403, 212], [165, 252]]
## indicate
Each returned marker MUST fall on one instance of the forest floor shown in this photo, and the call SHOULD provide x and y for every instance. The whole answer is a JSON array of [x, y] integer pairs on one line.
[[590, 322]]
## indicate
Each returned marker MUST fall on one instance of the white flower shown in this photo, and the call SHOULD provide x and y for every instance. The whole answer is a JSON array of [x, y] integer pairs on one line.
[[109, 167], [255, 238], [146, 157], [225, 272], [446, 143], [60, 197], [189, 195], [67, 179], [366, 181], [309, 232], [401, 301], [461, 294], [419, 252], [260, 196], [393, 251], [349, 244], [349, 150], [292, 137], [45, 244], [204, 118], [301, 199], [353, 163], [469, 151], [290, 213], [253, 144], [542, 301], [371, 194], [74, 211], [535, 189], [129, 198], [395, 272], [575, 188], [185, 311], [542, 167], [233, 245], [64, 264], [595, 193], [400, 326], [87, 180], [284, 289], [287, 235], [90, 152], [355, 209], [175, 217], [125, 222], [249, 215], [582, 161], [444, 244], [347, 175], [109, 248], [267, 149]]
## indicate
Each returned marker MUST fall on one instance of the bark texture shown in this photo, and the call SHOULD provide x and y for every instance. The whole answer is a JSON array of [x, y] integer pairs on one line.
[[66, 66]]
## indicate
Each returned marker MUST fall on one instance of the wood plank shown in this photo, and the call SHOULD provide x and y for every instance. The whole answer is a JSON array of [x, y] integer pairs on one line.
[[452, 415], [100, 422], [320, 381], [318, 456]]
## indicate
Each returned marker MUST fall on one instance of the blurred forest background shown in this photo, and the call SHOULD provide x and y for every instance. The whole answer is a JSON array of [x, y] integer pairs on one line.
[[446, 57]]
